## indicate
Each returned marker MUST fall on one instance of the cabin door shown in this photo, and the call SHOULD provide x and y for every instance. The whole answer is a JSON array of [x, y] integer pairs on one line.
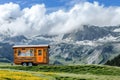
[[40, 55]]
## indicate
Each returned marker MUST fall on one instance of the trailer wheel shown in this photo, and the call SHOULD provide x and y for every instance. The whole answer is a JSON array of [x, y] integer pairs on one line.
[[30, 64], [24, 64]]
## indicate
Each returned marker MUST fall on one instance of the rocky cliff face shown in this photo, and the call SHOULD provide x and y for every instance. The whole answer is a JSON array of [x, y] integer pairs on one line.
[[91, 45]]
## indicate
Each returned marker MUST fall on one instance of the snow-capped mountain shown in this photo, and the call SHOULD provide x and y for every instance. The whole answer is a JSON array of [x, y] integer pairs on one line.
[[91, 45]]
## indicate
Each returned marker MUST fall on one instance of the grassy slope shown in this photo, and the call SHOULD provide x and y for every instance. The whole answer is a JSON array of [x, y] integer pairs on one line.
[[18, 75], [78, 72]]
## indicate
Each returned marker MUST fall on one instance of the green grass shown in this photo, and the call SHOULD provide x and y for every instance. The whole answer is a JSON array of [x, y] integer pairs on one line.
[[67, 76], [18, 75], [72, 72], [78, 69]]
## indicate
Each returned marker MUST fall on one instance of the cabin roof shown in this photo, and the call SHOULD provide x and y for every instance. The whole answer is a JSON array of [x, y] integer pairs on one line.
[[27, 46]]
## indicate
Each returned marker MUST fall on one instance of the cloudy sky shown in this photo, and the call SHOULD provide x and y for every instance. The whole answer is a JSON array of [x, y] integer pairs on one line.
[[32, 17]]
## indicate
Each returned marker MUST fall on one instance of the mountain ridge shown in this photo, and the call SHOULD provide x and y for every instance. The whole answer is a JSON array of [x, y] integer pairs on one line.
[[92, 45]]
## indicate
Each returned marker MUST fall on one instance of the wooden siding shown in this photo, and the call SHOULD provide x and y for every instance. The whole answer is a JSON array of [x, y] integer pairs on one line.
[[31, 54]]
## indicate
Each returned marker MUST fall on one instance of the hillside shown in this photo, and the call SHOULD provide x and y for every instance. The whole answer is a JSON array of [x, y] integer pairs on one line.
[[55, 72]]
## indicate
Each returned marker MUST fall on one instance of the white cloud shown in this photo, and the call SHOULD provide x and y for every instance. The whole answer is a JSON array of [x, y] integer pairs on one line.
[[36, 20], [9, 10]]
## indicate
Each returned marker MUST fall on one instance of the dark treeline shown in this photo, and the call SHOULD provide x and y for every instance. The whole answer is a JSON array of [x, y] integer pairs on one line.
[[114, 62]]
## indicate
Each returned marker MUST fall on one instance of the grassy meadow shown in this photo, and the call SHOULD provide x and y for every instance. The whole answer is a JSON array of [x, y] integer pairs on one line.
[[60, 72], [17, 75]]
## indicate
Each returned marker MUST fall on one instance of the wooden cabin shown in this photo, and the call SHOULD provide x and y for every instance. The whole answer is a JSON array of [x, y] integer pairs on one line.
[[28, 55]]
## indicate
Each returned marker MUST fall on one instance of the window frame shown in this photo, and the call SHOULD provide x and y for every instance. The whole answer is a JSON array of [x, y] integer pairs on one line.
[[40, 54]]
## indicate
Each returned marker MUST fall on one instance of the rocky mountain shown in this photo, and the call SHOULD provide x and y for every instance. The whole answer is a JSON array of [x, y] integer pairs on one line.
[[91, 33], [91, 45]]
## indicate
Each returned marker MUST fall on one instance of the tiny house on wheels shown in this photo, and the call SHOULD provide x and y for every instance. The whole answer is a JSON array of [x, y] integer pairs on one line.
[[28, 55]]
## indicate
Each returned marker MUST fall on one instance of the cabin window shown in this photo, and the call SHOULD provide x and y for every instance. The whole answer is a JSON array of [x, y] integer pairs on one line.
[[31, 52], [39, 52], [28, 52]]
